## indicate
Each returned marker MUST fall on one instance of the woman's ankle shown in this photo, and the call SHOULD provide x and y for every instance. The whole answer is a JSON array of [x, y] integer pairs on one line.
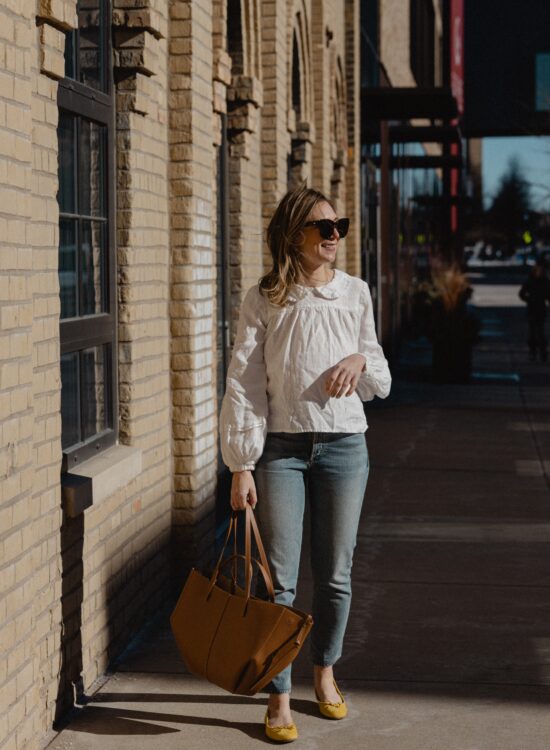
[[323, 673], [279, 699]]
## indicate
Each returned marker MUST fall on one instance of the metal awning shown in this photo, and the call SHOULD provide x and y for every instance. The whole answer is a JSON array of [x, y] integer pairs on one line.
[[421, 162], [407, 103], [424, 134], [415, 134], [441, 200]]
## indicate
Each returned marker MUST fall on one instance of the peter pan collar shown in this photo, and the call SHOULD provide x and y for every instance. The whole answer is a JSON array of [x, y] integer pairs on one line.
[[332, 290]]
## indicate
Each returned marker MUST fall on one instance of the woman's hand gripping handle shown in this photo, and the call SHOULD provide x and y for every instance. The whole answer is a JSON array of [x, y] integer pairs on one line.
[[243, 490]]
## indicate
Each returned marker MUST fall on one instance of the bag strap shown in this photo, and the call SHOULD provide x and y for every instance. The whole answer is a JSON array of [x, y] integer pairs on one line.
[[251, 525], [231, 527], [263, 571]]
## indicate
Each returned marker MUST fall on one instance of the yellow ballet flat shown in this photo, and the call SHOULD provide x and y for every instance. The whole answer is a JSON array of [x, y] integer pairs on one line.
[[333, 710], [288, 733]]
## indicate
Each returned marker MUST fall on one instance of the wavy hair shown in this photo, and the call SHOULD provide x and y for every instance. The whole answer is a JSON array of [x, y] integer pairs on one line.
[[283, 238]]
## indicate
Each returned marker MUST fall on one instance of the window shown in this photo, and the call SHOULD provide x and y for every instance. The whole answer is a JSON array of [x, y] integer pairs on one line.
[[87, 238], [370, 43], [542, 82]]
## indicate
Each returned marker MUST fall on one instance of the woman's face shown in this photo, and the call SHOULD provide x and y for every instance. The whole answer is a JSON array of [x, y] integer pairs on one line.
[[314, 250]]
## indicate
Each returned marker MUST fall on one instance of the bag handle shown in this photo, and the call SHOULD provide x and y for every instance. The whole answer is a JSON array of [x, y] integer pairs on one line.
[[231, 527], [265, 573], [251, 525], [263, 565]]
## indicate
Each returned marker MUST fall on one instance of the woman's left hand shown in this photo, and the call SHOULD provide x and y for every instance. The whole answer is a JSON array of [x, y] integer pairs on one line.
[[343, 378]]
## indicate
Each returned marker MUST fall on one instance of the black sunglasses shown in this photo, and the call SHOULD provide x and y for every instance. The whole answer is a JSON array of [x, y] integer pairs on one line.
[[326, 227]]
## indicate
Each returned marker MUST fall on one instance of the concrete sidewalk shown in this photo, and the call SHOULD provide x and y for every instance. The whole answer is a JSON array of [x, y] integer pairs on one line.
[[448, 646]]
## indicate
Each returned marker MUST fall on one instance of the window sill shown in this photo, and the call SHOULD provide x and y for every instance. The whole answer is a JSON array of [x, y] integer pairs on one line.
[[106, 473]]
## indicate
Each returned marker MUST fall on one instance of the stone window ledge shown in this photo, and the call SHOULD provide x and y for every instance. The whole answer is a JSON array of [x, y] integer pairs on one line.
[[100, 477]]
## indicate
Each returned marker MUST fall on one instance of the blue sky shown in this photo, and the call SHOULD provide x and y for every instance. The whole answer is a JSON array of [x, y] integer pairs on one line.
[[534, 156]]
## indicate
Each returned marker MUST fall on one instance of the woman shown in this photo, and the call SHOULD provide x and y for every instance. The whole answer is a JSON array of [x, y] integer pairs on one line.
[[305, 356]]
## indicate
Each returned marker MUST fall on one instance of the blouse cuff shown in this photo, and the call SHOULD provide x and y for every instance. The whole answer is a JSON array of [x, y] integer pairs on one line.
[[375, 379], [241, 467]]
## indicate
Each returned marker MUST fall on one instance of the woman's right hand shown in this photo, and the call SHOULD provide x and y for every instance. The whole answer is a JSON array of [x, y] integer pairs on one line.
[[243, 490]]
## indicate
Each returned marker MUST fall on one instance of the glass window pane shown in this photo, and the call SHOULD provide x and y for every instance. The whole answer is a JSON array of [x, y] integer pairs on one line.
[[91, 43], [92, 255], [91, 165], [66, 195], [68, 279], [542, 83], [70, 50], [94, 407], [70, 413]]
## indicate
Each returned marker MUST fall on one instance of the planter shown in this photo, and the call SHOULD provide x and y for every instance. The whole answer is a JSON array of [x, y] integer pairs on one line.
[[454, 334]]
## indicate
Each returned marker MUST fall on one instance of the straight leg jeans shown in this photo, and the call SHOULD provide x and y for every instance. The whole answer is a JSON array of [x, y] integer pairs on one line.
[[330, 471]]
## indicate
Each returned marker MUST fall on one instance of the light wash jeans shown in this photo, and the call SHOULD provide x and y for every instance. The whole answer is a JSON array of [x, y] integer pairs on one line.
[[331, 471]]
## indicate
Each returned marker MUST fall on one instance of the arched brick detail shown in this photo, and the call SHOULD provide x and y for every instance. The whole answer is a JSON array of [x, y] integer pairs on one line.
[[338, 134], [300, 98], [244, 100]]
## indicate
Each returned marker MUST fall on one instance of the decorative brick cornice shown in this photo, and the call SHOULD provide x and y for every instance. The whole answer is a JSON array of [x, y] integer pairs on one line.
[[221, 80], [57, 13], [54, 18], [246, 89], [222, 67], [305, 132], [134, 53], [138, 19], [244, 99], [136, 34]]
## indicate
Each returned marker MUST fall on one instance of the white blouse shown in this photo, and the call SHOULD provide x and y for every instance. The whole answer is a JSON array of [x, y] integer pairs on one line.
[[281, 358]]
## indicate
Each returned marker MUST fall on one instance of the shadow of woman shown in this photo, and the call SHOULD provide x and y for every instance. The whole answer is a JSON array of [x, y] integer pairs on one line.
[[113, 720]]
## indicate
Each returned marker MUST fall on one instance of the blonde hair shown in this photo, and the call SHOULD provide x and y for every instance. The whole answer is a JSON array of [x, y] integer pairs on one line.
[[283, 238]]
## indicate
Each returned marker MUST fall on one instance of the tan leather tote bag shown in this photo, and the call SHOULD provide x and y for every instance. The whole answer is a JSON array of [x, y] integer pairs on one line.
[[230, 637]]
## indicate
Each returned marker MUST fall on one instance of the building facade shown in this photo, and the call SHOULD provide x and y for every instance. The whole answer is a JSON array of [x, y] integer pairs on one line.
[[143, 147], [410, 146]]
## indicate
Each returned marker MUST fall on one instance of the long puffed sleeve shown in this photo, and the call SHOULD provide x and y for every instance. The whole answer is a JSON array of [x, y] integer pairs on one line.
[[243, 418], [376, 378]]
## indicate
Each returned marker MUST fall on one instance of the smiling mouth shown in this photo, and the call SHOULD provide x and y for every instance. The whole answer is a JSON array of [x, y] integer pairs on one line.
[[329, 245]]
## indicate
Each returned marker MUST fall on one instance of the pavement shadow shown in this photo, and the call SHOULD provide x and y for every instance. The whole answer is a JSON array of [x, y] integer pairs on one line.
[[108, 720], [452, 570]]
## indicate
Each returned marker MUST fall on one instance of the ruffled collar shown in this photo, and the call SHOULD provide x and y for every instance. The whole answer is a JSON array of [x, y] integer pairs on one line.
[[334, 289]]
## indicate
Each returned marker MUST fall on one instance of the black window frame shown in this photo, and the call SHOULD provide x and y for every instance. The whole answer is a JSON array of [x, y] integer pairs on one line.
[[79, 333]]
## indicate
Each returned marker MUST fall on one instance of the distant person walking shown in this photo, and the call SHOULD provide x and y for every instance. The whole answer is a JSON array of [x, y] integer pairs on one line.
[[536, 292]]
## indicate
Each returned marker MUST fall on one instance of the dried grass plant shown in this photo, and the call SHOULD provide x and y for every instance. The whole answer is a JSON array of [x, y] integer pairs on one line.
[[450, 285]]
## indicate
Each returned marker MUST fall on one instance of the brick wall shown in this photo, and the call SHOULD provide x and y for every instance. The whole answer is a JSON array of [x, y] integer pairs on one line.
[[46, 43], [75, 590], [192, 309], [19, 662], [275, 27]]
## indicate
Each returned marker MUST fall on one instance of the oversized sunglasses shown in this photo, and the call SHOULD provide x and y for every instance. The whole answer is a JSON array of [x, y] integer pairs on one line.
[[326, 227]]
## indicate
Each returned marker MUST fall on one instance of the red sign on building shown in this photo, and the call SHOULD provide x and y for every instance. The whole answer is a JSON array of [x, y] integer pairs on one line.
[[457, 52], [457, 86]]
